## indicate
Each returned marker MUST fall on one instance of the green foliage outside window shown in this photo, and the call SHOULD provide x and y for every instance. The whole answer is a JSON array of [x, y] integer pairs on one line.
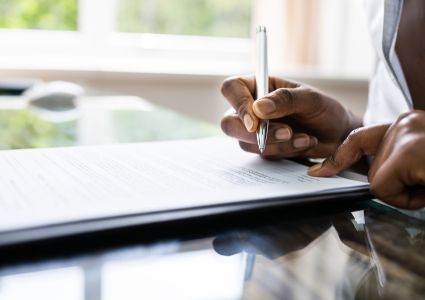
[[39, 14], [229, 18], [22, 129]]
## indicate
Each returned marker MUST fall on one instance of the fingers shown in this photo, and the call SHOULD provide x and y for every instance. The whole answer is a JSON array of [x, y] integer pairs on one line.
[[390, 185], [362, 141], [299, 143], [415, 200], [286, 101], [238, 91], [233, 126], [281, 141]]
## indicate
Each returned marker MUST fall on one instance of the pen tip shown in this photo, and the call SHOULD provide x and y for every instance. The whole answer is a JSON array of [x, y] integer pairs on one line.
[[261, 150]]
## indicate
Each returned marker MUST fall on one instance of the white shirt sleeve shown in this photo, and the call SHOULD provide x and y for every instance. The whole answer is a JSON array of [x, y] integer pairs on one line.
[[388, 93]]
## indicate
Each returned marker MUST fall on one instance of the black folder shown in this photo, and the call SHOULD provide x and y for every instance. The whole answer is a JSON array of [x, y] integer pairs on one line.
[[135, 171]]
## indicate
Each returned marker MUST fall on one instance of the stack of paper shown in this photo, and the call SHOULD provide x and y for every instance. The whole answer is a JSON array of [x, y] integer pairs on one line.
[[49, 186]]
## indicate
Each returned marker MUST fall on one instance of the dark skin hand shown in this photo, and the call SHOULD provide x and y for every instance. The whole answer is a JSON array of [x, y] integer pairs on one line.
[[397, 173], [308, 123], [304, 121]]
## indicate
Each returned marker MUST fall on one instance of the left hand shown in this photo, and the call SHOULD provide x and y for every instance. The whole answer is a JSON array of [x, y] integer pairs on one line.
[[397, 174]]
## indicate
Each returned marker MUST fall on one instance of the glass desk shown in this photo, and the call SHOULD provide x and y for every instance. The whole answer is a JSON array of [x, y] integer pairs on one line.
[[94, 120], [373, 253]]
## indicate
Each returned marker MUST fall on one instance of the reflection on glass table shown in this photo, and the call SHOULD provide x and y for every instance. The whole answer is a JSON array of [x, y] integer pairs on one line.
[[96, 120], [375, 254]]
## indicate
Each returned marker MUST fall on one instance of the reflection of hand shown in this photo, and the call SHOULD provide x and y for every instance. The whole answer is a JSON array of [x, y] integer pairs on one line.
[[272, 241], [397, 174], [305, 122]]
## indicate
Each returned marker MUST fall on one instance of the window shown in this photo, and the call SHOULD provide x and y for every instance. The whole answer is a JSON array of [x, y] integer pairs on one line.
[[184, 36], [181, 17], [185, 17], [39, 14], [148, 36]]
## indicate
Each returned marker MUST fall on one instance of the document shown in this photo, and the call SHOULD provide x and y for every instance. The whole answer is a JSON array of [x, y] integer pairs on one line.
[[41, 187]]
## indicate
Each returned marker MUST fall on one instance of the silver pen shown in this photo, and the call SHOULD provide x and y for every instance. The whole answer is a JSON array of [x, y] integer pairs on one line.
[[262, 83]]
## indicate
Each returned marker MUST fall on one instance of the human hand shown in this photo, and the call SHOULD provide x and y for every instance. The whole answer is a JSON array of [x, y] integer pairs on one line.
[[303, 121], [397, 174]]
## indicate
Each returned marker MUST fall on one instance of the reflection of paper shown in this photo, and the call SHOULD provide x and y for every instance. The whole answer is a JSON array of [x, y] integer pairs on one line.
[[44, 186], [44, 284], [201, 274]]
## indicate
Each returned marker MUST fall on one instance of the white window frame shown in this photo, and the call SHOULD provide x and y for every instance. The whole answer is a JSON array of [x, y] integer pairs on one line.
[[96, 47]]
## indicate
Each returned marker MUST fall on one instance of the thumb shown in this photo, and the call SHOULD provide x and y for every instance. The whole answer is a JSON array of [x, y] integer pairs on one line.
[[361, 141]]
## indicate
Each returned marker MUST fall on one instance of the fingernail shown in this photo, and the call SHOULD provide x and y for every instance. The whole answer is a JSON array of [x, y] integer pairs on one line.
[[248, 122], [313, 169], [302, 142], [283, 134], [266, 106]]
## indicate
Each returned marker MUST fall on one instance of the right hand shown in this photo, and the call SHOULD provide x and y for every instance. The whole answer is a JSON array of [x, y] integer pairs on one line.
[[303, 121]]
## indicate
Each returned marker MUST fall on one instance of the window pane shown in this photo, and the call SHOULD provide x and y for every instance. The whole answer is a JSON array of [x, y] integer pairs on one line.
[[39, 14], [229, 18]]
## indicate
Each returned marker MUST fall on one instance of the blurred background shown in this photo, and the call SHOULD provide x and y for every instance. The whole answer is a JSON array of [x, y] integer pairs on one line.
[[175, 53]]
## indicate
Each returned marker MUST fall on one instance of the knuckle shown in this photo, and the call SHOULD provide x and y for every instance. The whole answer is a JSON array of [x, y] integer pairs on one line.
[[313, 94], [412, 120], [227, 85], [333, 162], [243, 106], [411, 147], [316, 101], [284, 96], [403, 115], [354, 136], [230, 84], [316, 96]]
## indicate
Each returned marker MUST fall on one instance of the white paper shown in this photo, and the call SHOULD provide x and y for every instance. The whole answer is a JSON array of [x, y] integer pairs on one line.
[[48, 186]]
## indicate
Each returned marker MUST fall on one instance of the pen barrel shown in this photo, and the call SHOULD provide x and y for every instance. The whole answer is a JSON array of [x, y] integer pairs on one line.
[[262, 83], [261, 75]]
